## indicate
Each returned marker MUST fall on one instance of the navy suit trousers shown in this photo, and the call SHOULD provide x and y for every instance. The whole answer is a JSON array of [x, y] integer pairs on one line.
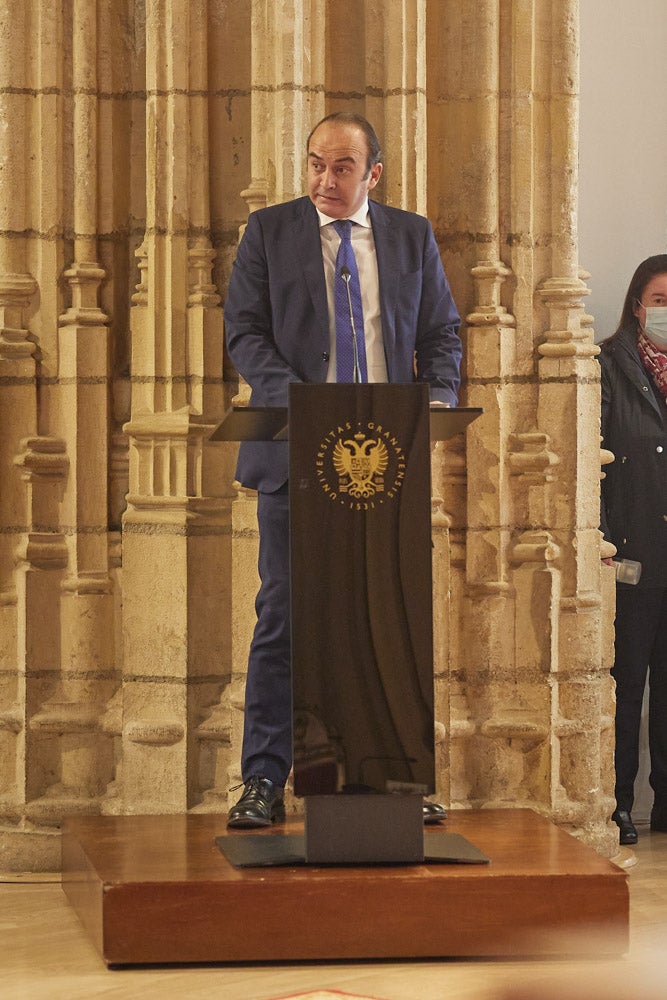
[[267, 735]]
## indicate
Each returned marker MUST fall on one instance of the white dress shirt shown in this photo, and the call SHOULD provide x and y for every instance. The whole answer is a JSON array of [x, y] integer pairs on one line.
[[363, 245]]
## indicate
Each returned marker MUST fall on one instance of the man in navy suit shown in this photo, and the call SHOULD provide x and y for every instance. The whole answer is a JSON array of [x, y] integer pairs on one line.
[[280, 327]]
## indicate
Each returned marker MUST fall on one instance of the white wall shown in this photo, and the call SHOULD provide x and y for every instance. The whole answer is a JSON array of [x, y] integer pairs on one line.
[[622, 175], [623, 147]]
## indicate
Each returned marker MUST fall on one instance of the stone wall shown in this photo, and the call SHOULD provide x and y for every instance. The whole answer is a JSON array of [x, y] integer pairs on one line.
[[135, 137]]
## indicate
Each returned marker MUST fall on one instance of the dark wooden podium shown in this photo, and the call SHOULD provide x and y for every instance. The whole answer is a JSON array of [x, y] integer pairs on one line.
[[361, 586]]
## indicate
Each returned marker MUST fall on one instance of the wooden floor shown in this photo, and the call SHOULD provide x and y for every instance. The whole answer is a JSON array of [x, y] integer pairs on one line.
[[45, 953]]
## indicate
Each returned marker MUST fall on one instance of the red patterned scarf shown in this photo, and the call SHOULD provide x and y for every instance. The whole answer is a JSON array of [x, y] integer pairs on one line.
[[654, 361]]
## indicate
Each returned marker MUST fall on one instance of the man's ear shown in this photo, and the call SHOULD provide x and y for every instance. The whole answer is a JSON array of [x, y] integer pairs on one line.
[[376, 170]]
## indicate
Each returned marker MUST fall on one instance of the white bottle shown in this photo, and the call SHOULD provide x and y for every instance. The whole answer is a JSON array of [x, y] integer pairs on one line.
[[627, 570]]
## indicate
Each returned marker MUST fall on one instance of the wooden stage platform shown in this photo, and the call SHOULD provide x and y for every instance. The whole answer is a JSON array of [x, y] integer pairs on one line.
[[157, 890]]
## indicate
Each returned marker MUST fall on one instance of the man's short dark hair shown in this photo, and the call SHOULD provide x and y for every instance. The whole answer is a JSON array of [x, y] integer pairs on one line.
[[350, 118]]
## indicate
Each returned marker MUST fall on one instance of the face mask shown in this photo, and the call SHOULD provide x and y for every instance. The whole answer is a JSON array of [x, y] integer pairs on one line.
[[655, 326]]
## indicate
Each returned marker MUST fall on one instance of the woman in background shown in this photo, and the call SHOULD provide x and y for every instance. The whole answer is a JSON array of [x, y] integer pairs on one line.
[[634, 519]]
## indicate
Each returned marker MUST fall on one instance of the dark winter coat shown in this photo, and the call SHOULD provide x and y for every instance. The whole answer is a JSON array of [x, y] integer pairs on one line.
[[634, 490]]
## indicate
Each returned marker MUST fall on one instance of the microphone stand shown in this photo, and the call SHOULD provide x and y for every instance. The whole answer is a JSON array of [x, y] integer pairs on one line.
[[356, 370]]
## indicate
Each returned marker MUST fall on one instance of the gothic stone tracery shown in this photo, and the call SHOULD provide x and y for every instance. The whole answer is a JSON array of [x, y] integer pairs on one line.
[[136, 136]]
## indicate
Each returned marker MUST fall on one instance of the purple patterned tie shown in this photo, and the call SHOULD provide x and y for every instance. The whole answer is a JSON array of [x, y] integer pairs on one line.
[[346, 282]]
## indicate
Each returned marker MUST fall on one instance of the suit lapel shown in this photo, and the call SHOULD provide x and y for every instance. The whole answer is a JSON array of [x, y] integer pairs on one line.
[[306, 237], [386, 250]]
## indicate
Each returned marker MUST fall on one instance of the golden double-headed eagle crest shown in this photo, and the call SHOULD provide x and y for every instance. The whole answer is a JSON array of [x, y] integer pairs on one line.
[[360, 463]]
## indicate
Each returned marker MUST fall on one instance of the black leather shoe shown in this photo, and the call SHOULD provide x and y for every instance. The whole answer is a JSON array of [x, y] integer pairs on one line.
[[628, 830], [659, 819], [260, 805], [433, 812]]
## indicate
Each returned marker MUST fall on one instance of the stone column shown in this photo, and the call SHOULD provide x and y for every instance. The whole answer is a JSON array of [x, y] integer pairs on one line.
[[30, 544], [176, 537], [527, 691], [48, 714], [68, 720], [568, 411], [395, 87], [287, 95], [376, 65], [17, 287], [511, 752], [464, 205], [154, 126]]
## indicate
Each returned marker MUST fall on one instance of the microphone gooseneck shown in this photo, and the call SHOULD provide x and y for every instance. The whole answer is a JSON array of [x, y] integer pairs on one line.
[[346, 276]]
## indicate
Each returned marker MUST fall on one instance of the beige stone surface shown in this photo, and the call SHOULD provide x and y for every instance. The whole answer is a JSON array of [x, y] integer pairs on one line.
[[134, 139]]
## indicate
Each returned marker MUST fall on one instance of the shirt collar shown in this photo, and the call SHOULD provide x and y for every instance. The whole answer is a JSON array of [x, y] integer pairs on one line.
[[361, 217]]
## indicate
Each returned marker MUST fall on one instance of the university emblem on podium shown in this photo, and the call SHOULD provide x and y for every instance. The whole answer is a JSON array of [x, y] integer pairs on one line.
[[360, 463], [360, 466]]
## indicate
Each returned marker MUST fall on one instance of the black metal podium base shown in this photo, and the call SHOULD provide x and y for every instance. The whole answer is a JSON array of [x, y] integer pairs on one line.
[[288, 850], [353, 830], [363, 829]]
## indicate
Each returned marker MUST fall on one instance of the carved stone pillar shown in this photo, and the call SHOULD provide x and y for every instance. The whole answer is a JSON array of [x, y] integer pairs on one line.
[[394, 58], [17, 288], [464, 205], [536, 690], [454, 723], [41, 561], [70, 714], [20, 598], [376, 65], [135, 137], [569, 381], [287, 62], [176, 538]]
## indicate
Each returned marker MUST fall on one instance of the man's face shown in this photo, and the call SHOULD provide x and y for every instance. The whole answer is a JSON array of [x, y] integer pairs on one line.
[[338, 175]]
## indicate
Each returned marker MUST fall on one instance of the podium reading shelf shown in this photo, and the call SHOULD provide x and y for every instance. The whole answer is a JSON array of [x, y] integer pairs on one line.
[[361, 613]]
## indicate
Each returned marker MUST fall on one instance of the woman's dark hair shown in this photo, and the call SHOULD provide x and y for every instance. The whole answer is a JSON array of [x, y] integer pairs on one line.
[[349, 118], [640, 279]]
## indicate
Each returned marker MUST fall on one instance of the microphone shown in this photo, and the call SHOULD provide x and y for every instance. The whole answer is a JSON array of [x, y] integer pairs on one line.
[[356, 371]]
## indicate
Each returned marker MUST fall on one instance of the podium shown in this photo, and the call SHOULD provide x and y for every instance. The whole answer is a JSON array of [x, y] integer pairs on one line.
[[361, 614], [153, 889]]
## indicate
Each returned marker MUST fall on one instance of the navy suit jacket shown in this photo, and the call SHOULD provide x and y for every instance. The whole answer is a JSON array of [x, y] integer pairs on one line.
[[277, 321]]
